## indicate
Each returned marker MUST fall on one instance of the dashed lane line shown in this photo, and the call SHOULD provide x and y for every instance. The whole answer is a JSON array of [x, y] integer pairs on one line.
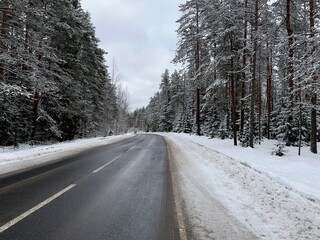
[[105, 165], [34, 209], [131, 148], [42, 204]]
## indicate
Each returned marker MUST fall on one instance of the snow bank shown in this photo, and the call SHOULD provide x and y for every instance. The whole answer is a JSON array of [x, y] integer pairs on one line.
[[26, 156], [298, 172], [265, 206]]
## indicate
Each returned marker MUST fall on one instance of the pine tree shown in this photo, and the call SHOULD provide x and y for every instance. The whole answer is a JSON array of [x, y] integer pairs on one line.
[[313, 133], [191, 49], [53, 79], [166, 111], [257, 72]]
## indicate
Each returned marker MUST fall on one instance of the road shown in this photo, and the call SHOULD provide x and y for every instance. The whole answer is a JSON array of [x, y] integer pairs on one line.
[[117, 191]]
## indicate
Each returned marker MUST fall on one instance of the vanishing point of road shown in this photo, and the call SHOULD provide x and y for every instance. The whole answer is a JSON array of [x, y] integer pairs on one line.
[[117, 191]]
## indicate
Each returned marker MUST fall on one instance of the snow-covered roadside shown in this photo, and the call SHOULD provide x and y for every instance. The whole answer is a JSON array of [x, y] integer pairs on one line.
[[28, 156], [298, 172], [258, 201]]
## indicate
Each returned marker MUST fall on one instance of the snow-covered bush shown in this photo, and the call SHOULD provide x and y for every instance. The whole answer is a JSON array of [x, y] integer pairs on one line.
[[279, 149]]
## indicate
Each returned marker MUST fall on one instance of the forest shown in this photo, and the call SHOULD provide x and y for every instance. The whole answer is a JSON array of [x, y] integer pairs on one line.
[[250, 70], [54, 81]]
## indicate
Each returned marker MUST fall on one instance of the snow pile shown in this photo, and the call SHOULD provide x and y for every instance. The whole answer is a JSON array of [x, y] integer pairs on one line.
[[218, 190], [299, 172], [26, 156]]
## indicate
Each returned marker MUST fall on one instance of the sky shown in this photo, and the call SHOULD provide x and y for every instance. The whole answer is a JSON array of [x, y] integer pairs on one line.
[[141, 37]]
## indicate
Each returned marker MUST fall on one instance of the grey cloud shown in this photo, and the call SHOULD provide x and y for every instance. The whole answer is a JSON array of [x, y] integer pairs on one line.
[[141, 36]]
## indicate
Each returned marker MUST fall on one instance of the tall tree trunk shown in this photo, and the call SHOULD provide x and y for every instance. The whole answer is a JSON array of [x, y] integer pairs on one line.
[[290, 70], [198, 73], [300, 120], [234, 120], [313, 134], [228, 88], [269, 89], [37, 91], [3, 32], [36, 103], [5, 11], [259, 95], [233, 97], [253, 83], [290, 51], [244, 63]]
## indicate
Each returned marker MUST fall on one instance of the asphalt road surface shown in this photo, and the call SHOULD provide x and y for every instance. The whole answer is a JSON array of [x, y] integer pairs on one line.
[[118, 191]]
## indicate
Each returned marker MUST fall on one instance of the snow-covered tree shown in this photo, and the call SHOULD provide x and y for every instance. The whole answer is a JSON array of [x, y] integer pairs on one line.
[[54, 83], [255, 63]]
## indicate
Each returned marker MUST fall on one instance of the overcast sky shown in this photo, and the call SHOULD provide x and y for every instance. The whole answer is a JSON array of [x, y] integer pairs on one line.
[[141, 36]]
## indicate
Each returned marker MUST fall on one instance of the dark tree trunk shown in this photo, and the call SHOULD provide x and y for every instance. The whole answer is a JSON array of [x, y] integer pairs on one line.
[[269, 89], [253, 83], [198, 113], [259, 95], [300, 120], [233, 97], [36, 103], [234, 120], [290, 51], [313, 134], [3, 32], [244, 63], [198, 74]]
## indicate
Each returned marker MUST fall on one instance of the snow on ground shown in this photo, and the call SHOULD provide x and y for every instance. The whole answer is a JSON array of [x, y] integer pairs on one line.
[[227, 192], [299, 172], [26, 156], [245, 191]]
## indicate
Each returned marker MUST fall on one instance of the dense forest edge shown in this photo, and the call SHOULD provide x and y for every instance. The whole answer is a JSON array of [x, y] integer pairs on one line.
[[249, 71], [54, 81]]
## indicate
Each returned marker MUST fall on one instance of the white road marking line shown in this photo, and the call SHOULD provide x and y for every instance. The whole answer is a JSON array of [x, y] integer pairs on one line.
[[180, 217], [32, 210], [176, 198], [131, 148], [100, 168]]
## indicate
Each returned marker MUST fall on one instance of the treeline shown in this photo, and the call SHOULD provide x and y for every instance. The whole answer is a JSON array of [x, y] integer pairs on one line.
[[250, 70], [54, 82]]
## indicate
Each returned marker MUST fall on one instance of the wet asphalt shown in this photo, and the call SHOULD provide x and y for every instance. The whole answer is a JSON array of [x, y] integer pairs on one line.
[[114, 192]]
